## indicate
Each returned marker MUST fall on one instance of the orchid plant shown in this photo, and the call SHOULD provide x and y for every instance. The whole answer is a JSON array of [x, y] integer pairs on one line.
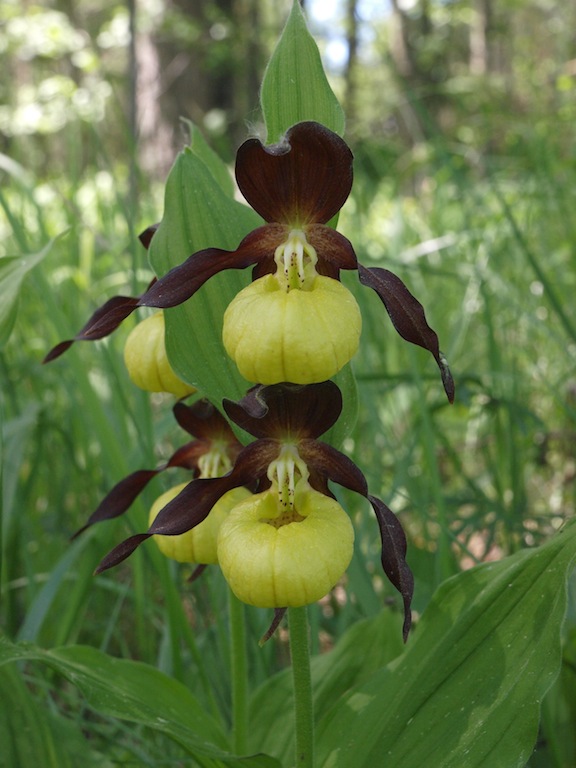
[[269, 352]]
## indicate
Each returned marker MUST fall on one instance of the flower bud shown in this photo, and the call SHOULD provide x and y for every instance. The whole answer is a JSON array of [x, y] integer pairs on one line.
[[275, 557], [301, 336], [198, 545], [146, 360]]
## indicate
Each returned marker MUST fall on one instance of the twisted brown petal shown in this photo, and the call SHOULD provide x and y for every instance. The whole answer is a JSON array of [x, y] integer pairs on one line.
[[203, 420], [114, 304], [408, 317], [394, 557], [146, 236], [194, 502], [124, 493], [304, 179], [278, 616], [326, 460], [287, 411], [182, 282]]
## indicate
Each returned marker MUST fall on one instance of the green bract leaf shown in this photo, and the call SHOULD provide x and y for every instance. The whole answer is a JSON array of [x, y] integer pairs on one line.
[[141, 694], [217, 167], [295, 87], [198, 214], [13, 270], [467, 692]]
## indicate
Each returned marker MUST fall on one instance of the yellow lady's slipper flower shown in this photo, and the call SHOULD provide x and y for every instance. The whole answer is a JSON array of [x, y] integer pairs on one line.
[[147, 362], [293, 467], [297, 186], [304, 335], [198, 545], [273, 557]]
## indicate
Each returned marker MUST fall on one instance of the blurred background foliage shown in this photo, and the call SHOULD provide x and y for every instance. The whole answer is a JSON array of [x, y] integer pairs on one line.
[[461, 117]]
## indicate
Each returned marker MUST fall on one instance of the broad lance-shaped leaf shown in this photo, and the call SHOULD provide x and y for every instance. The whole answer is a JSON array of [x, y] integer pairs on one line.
[[140, 694], [407, 315], [295, 87], [467, 691], [199, 214]]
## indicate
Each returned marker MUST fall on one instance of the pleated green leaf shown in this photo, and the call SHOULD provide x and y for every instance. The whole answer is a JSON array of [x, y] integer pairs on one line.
[[141, 694], [467, 692], [295, 87], [199, 214]]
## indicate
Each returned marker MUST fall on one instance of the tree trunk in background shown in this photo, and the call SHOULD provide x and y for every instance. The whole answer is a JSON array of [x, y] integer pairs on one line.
[[404, 64], [480, 38], [204, 64], [350, 105]]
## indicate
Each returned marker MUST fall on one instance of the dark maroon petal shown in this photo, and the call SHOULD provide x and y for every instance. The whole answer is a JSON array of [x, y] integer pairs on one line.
[[407, 315], [186, 457], [146, 236], [122, 496], [278, 616], [97, 319], [304, 179], [287, 411], [121, 552], [323, 459], [394, 557], [203, 420], [182, 282], [328, 461], [334, 251], [195, 501], [119, 499]]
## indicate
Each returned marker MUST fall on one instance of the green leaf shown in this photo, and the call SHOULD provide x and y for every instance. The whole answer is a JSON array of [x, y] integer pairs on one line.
[[217, 167], [295, 87], [141, 694], [31, 736], [467, 692], [13, 270], [199, 214], [363, 649]]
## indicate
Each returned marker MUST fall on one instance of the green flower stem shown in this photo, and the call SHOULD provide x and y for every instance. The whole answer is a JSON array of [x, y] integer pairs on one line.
[[239, 666], [303, 705]]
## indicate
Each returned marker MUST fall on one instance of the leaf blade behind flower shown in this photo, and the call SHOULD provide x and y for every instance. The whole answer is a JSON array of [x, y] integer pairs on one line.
[[466, 692], [199, 214], [295, 87]]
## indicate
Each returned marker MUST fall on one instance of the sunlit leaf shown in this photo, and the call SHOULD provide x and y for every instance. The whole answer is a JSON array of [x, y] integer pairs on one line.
[[467, 692], [199, 214], [295, 87]]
